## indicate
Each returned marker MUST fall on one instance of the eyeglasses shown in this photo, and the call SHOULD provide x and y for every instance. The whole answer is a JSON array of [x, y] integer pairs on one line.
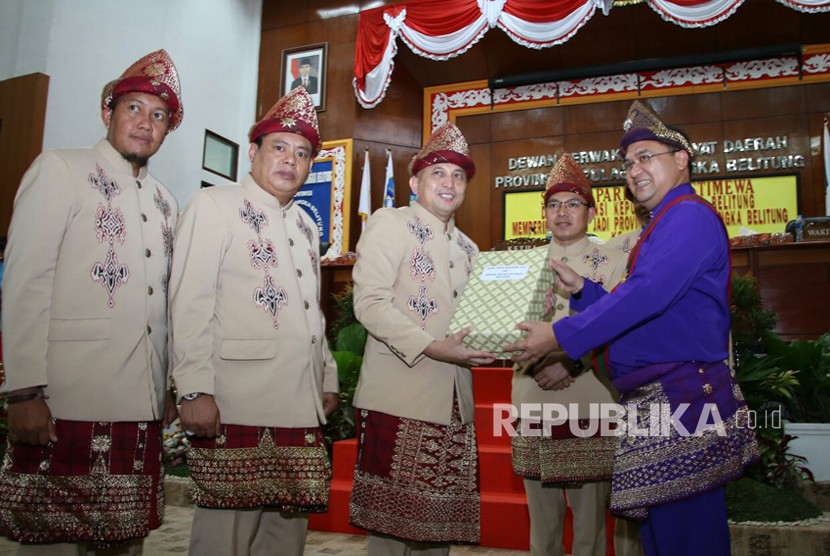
[[643, 160], [571, 205]]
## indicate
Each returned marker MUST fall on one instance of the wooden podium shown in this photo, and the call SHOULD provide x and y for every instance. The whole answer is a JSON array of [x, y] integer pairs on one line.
[[794, 281]]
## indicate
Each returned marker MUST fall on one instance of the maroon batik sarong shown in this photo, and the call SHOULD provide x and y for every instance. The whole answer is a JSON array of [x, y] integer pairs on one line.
[[100, 483], [245, 467], [416, 481]]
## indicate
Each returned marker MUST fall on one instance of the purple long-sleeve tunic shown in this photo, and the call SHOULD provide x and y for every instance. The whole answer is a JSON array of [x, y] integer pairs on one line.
[[674, 306]]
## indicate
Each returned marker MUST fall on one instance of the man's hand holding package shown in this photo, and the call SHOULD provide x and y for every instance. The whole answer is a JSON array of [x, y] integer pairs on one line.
[[452, 350]]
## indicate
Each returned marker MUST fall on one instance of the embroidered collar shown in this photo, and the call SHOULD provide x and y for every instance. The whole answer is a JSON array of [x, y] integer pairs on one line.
[[558, 251]]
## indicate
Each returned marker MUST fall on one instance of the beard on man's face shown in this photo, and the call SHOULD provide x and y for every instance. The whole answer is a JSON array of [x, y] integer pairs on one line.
[[135, 159]]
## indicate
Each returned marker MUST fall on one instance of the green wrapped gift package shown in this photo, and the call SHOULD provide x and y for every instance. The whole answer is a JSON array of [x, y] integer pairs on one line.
[[505, 288]]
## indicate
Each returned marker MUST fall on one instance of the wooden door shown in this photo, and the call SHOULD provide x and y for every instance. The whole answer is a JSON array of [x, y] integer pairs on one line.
[[22, 117]]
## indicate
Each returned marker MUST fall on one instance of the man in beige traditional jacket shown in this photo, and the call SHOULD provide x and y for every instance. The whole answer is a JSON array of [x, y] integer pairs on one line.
[[85, 330], [563, 464], [416, 479], [251, 364]]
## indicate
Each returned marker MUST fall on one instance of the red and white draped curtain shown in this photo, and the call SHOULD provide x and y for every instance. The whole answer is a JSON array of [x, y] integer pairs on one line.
[[443, 29]]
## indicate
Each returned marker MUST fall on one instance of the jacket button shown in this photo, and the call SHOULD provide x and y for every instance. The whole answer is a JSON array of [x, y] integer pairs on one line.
[[149, 290], [560, 307], [452, 265], [455, 293], [149, 329], [314, 339], [138, 183], [291, 242], [564, 259], [299, 273], [143, 217], [147, 253], [306, 305]]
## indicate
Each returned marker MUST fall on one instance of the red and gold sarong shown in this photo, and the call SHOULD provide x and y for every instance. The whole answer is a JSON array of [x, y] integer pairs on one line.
[[416, 481], [246, 467], [100, 483]]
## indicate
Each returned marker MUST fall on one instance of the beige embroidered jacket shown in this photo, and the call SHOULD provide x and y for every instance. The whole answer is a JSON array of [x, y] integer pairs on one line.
[[410, 273], [85, 289], [245, 308]]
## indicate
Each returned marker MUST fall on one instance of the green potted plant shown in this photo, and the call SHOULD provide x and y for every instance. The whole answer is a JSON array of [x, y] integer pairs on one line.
[[350, 341], [768, 491], [808, 410]]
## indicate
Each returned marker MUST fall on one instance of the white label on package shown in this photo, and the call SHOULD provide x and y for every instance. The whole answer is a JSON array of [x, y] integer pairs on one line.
[[505, 272]]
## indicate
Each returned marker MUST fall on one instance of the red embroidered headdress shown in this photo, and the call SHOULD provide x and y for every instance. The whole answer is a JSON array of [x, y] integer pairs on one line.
[[567, 175], [154, 74], [446, 144], [293, 113]]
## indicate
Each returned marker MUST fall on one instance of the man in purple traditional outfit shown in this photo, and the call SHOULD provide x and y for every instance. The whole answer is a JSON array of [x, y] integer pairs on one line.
[[667, 330]]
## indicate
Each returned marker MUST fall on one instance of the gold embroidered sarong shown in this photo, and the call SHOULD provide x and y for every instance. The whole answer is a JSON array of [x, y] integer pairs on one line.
[[247, 467], [416, 481]]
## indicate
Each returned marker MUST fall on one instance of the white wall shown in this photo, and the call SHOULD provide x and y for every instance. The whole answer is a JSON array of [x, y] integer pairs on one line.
[[83, 44]]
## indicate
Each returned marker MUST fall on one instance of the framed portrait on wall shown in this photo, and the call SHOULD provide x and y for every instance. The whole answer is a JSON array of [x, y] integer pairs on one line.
[[305, 66], [326, 196], [220, 155]]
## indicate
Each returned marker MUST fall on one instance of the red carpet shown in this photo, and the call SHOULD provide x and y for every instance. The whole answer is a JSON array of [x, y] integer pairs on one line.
[[504, 518]]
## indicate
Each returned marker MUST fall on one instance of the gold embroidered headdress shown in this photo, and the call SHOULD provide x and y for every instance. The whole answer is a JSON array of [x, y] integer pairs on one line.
[[567, 175], [154, 74], [293, 113], [642, 124], [446, 144]]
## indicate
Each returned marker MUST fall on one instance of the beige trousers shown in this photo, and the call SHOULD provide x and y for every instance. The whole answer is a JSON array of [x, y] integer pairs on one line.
[[547, 518], [627, 538], [249, 532], [381, 545], [133, 547]]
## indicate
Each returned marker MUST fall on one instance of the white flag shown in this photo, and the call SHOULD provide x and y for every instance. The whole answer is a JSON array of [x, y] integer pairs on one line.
[[364, 208], [389, 194], [826, 169]]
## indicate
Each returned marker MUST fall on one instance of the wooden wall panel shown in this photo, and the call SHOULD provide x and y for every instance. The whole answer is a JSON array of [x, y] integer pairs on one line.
[[686, 110], [272, 43], [706, 117], [281, 13], [795, 126], [397, 125], [476, 128], [399, 118], [22, 116], [761, 23], [477, 205], [818, 97], [539, 122], [777, 101], [586, 118], [794, 281], [629, 33]]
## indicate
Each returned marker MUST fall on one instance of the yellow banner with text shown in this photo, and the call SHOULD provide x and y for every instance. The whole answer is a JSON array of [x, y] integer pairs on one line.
[[760, 204]]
